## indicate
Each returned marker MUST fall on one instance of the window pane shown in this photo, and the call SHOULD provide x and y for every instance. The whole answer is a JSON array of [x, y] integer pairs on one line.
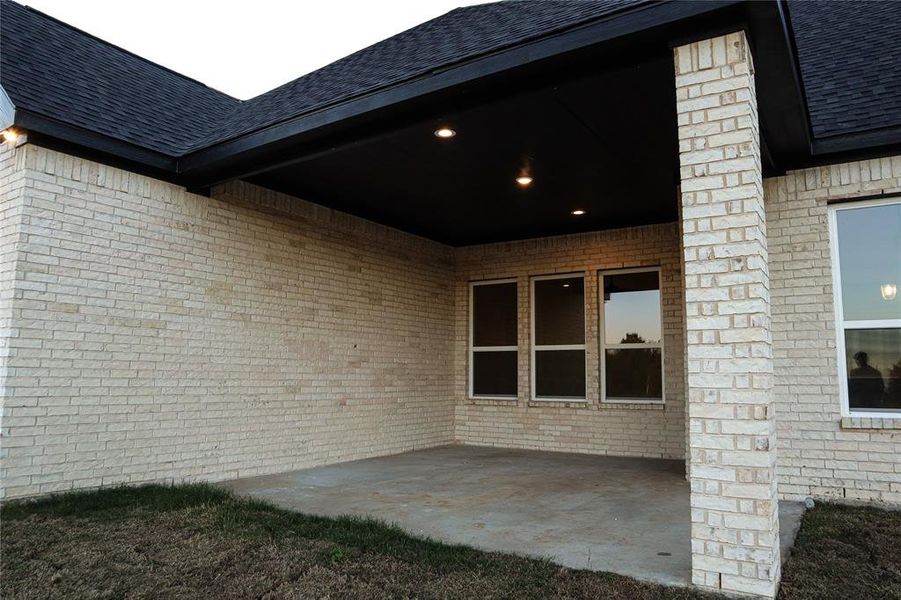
[[560, 311], [494, 373], [633, 373], [494, 314], [874, 368], [632, 308], [560, 374], [869, 246]]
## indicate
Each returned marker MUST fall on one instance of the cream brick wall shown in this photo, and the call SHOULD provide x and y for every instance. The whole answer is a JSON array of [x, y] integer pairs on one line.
[[162, 335], [731, 422], [615, 429], [817, 455], [195, 343], [12, 183]]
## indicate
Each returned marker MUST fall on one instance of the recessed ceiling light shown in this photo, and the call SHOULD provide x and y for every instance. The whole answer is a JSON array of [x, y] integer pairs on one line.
[[10, 135], [578, 212], [445, 133], [524, 180]]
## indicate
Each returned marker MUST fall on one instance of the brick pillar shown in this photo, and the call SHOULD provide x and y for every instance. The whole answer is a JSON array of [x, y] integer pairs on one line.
[[734, 512]]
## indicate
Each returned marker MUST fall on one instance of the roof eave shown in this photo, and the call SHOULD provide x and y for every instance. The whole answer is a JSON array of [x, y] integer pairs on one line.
[[858, 144], [51, 132], [242, 156]]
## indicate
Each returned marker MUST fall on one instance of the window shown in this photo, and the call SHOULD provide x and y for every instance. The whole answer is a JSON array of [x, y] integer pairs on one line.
[[866, 259], [492, 339], [631, 336], [558, 338]]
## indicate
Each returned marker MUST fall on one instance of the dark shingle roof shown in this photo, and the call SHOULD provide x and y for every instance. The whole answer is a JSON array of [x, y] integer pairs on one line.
[[459, 35], [58, 71], [850, 56]]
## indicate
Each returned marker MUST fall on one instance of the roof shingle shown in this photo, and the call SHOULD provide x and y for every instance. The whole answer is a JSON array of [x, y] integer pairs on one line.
[[460, 35], [850, 57], [58, 71], [849, 54]]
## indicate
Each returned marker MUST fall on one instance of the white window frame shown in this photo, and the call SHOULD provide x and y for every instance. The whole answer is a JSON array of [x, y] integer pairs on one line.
[[840, 324], [603, 346], [473, 349], [534, 348]]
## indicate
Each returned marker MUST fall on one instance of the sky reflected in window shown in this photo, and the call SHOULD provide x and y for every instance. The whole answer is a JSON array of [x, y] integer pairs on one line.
[[869, 242]]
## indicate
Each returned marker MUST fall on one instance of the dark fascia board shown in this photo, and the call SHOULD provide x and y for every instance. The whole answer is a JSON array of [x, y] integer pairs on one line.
[[878, 142], [52, 133], [206, 165], [784, 122]]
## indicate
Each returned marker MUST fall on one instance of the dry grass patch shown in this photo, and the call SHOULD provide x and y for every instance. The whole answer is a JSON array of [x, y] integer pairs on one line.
[[845, 552], [198, 541]]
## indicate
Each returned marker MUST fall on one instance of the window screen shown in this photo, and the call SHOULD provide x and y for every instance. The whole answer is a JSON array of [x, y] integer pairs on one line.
[[558, 344], [493, 346]]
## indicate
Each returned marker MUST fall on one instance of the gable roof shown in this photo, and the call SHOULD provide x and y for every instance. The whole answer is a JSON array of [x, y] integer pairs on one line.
[[60, 72], [848, 61], [460, 35]]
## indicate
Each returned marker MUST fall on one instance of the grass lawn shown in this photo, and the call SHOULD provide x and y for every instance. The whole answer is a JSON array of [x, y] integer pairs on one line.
[[197, 541], [845, 552]]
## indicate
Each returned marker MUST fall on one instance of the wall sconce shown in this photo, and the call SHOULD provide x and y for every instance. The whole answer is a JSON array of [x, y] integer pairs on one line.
[[889, 291], [10, 135]]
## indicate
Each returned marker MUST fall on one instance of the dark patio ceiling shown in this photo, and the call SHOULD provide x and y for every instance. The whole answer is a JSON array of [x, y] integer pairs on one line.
[[581, 92], [604, 143], [595, 124]]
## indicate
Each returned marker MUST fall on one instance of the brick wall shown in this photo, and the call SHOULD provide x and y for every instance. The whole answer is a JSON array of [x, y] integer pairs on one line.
[[818, 455], [731, 422], [165, 335], [12, 183], [591, 427]]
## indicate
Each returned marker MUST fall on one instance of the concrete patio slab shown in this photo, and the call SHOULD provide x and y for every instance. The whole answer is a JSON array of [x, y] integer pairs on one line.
[[625, 515]]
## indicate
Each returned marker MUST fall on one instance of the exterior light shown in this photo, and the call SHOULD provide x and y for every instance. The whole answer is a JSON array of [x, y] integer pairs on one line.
[[889, 291], [565, 285], [10, 135], [524, 180], [445, 133], [578, 212]]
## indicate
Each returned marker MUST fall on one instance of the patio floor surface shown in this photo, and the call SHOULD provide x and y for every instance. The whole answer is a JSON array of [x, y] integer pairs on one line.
[[625, 515]]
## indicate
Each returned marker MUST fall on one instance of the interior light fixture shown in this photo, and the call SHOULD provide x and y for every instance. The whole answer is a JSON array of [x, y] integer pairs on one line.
[[578, 212], [889, 291], [524, 180], [445, 133], [10, 135]]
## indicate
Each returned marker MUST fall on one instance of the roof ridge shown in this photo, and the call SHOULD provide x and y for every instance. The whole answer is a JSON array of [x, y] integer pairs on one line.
[[80, 31]]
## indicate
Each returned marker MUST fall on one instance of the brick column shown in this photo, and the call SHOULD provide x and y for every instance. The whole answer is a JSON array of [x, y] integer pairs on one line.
[[734, 512]]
